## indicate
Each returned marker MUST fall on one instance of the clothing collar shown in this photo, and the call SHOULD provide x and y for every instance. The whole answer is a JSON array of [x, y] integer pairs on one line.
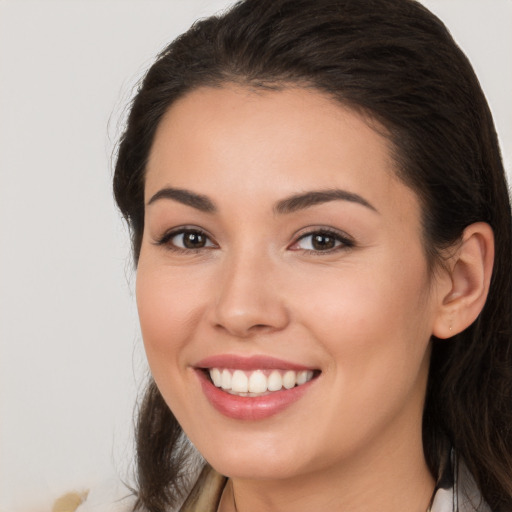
[[456, 489]]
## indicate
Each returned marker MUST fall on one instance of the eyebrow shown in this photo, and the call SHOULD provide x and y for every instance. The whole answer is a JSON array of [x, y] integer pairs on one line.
[[312, 198], [186, 197], [288, 205]]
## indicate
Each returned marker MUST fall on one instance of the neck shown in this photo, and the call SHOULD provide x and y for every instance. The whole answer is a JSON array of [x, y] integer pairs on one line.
[[394, 479]]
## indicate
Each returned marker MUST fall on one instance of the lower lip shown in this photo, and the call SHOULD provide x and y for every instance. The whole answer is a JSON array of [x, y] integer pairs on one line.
[[250, 408]]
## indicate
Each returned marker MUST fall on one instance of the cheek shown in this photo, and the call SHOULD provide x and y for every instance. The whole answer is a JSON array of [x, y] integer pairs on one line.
[[168, 312], [373, 320], [376, 333]]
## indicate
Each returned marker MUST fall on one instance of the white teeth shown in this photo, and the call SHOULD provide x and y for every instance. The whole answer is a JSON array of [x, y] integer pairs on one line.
[[239, 382], [302, 377], [275, 381], [289, 379], [257, 382], [216, 377], [225, 379]]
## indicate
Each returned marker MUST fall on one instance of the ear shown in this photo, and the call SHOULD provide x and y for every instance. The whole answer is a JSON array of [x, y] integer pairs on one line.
[[469, 277]]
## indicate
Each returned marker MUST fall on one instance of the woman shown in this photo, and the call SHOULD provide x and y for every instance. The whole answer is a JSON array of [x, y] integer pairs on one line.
[[322, 233]]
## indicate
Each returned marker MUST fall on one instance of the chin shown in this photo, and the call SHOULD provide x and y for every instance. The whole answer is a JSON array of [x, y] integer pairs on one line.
[[255, 468], [269, 460]]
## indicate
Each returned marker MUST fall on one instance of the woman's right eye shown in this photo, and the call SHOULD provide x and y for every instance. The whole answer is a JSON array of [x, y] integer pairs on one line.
[[186, 239]]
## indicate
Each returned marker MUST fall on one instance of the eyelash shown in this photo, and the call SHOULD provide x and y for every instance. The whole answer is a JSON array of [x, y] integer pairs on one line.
[[165, 240], [341, 239]]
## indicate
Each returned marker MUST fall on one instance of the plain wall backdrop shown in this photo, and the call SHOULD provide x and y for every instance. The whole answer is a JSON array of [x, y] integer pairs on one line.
[[71, 360]]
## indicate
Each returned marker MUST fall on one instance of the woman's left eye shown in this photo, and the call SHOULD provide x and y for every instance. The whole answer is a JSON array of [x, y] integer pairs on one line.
[[321, 241]]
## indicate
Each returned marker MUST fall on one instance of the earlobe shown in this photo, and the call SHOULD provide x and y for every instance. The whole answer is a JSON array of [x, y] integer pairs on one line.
[[470, 270]]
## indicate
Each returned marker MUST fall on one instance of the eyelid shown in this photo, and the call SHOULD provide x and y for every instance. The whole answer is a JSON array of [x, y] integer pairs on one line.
[[164, 240], [345, 240], [342, 239]]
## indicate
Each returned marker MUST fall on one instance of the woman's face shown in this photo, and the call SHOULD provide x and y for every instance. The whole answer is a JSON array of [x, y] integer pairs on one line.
[[283, 259]]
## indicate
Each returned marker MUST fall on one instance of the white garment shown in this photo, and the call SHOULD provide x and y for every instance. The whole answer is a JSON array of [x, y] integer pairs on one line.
[[462, 494]]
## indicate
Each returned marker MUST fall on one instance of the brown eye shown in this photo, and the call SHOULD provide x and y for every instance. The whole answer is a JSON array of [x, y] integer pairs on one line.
[[193, 240], [322, 242], [190, 239]]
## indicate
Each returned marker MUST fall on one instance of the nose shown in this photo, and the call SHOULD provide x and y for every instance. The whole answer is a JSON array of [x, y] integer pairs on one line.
[[249, 299]]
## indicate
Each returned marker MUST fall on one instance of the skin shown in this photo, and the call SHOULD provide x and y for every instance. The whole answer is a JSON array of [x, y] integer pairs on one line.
[[362, 313]]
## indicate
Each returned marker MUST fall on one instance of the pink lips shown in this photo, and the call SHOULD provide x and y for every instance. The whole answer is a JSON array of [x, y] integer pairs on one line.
[[248, 363], [249, 408]]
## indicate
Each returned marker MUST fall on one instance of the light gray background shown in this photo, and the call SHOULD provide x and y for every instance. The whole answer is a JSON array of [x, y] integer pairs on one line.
[[71, 360]]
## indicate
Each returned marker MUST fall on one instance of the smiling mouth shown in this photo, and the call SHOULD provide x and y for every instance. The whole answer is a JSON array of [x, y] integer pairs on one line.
[[258, 382]]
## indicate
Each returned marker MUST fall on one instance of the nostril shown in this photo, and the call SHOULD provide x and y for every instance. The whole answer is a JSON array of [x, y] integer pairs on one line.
[[244, 331], [260, 326]]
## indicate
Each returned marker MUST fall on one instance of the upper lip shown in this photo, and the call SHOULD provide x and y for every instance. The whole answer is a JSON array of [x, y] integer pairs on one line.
[[251, 363]]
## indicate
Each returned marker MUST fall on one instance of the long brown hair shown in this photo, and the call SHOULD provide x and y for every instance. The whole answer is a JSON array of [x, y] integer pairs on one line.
[[396, 62]]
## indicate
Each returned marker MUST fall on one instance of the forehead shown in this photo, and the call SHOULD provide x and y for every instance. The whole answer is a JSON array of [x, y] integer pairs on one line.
[[271, 143]]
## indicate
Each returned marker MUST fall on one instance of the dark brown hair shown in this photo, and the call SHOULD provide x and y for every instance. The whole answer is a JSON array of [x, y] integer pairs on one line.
[[397, 63]]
